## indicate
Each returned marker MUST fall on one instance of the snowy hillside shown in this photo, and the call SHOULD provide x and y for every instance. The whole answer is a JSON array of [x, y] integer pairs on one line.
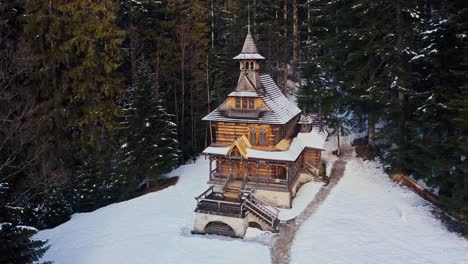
[[369, 219], [154, 228], [366, 219]]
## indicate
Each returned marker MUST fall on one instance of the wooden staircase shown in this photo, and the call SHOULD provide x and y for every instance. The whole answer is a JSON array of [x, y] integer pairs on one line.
[[262, 210], [231, 189]]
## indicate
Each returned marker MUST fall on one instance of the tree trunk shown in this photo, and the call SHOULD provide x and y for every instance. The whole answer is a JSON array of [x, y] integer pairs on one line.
[[401, 93], [158, 67], [371, 130], [182, 112], [338, 150], [212, 23], [285, 47], [133, 43], [208, 103], [309, 29], [295, 40], [285, 79]]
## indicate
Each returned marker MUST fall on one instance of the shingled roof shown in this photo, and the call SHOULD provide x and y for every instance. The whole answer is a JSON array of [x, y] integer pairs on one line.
[[314, 139], [282, 110], [249, 50]]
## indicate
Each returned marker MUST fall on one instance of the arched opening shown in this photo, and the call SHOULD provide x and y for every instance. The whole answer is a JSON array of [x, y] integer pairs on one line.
[[219, 228], [255, 225]]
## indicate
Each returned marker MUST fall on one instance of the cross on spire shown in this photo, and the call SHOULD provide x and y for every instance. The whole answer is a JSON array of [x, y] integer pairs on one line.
[[248, 20]]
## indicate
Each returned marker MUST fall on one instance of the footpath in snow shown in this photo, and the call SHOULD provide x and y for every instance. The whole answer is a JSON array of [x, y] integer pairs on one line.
[[154, 228], [369, 219], [366, 218]]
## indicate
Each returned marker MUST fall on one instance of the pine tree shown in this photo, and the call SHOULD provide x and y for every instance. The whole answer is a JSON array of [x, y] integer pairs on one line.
[[454, 188], [16, 241], [151, 147]]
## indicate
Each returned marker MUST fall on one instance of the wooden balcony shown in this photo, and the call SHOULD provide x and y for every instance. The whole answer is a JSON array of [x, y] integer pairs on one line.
[[252, 182], [213, 202]]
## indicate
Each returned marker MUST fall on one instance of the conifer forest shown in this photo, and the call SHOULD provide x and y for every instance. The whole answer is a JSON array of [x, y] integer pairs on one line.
[[99, 98]]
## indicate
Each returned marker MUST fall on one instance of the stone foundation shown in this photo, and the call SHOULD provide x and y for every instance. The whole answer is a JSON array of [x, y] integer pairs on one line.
[[276, 198], [239, 225]]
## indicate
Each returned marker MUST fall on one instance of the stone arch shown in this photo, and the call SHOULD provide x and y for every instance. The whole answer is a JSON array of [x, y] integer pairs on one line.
[[254, 224], [219, 228]]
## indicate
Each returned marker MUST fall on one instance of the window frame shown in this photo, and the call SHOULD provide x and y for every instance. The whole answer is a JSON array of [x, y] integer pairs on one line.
[[253, 136], [244, 103], [251, 103], [238, 102], [263, 140]]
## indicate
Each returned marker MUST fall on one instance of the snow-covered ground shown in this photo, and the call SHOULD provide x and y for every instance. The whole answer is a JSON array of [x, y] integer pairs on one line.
[[369, 219], [304, 196], [366, 219], [154, 228]]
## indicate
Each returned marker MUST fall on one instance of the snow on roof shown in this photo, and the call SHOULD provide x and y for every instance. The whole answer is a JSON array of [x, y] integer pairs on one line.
[[314, 139], [249, 50], [249, 57], [243, 94], [282, 110]]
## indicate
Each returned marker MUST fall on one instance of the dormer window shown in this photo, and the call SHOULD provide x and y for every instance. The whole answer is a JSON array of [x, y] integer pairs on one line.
[[238, 102], [251, 103]]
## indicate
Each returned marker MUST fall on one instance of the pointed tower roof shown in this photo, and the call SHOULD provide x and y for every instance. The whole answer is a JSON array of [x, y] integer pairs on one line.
[[249, 50]]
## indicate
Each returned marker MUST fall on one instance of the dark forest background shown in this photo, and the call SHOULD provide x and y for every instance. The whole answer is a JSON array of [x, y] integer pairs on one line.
[[100, 97]]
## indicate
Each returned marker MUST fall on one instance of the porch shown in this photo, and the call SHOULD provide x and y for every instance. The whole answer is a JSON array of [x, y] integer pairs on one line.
[[253, 174]]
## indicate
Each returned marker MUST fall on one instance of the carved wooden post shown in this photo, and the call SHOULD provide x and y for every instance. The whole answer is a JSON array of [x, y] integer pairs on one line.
[[210, 168], [257, 173]]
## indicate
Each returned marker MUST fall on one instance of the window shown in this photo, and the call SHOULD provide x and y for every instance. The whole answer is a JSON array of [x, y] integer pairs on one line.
[[251, 66], [244, 103], [262, 136], [251, 103], [253, 136], [238, 102]]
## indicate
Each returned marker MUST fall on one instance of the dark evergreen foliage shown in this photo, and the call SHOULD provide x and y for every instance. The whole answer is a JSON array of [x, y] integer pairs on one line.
[[16, 242], [75, 139], [150, 148], [399, 68]]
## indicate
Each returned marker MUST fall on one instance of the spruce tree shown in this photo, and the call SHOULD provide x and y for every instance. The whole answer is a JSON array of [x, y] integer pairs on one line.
[[17, 244], [151, 147]]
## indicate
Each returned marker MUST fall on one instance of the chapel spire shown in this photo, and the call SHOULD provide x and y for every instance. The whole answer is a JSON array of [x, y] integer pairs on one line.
[[249, 50], [248, 19]]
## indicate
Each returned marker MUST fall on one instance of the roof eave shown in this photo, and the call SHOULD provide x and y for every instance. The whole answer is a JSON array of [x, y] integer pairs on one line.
[[249, 56]]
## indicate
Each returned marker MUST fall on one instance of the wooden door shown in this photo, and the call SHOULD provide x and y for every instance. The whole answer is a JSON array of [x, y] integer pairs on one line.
[[238, 170]]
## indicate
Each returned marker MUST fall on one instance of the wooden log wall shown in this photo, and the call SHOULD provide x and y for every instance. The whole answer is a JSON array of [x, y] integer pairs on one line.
[[264, 170], [227, 132], [313, 156]]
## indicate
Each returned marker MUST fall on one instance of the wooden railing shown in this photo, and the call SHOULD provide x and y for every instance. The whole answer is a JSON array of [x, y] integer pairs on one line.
[[311, 168], [244, 182], [261, 208], [225, 185], [251, 203], [254, 180], [218, 206]]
